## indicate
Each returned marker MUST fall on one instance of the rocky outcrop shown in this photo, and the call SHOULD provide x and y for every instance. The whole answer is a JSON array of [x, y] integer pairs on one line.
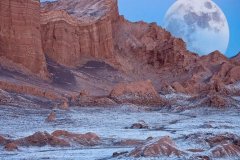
[[59, 138], [30, 89], [157, 147], [40, 139], [236, 59], [142, 93], [216, 101], [85, 99], [73, 30], [225, 145], [20, 38], [150, 44], [226, 150], [73, 33], [88, 139]]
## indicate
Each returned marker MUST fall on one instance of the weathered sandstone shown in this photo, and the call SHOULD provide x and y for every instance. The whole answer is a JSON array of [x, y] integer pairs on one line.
[[20, 38], [73, 30]]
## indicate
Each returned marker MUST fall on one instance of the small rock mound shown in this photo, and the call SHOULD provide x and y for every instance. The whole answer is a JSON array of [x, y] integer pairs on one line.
[[140, 93], [51, 117], [41, 139], [139, 125], [88, 139], [157, 147]]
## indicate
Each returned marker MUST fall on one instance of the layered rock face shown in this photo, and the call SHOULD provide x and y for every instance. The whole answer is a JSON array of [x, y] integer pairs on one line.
[[20, 39], [73, 30]]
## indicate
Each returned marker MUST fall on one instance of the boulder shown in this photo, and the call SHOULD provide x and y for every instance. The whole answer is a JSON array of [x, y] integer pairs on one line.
[[51, 117], [140, 93], [157, 147]]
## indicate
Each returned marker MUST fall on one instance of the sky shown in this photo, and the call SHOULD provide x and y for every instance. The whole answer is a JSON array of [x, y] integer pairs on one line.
[[154, 11]]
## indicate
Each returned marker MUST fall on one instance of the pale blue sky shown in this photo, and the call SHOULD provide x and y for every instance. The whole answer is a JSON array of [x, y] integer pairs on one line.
[[154, 11]]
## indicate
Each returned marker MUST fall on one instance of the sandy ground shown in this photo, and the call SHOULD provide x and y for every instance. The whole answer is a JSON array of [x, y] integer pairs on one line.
[[110, 124]]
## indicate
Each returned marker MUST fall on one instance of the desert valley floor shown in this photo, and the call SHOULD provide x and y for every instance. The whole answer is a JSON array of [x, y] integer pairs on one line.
[[189, 129]]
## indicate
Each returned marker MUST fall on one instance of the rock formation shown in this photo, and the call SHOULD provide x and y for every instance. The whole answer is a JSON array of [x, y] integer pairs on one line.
[[224, 145], [59, 138], [141, 92], [87, 45], [73, 30], [40, 139], [157, 147], [236, 59], [20, 38], [88, 139]]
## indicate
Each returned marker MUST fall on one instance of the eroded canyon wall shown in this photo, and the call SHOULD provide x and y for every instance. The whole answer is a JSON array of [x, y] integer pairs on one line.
[[74, 30], [20, 38]]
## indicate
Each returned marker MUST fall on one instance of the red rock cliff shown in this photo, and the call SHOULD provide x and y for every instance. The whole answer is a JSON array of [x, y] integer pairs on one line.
[[20, 38], [73, 30]]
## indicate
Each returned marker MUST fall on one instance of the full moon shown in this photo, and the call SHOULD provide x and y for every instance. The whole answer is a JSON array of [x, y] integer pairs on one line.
[[200, 23]]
